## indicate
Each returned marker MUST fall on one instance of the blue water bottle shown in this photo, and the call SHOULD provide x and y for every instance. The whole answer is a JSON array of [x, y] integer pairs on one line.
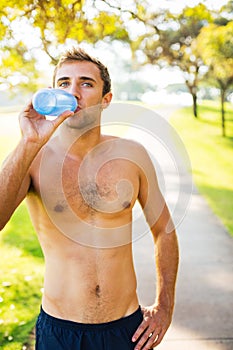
[[53, 102]]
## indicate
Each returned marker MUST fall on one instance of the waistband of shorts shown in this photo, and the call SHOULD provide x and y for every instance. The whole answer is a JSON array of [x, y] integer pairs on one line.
[[134, 319]]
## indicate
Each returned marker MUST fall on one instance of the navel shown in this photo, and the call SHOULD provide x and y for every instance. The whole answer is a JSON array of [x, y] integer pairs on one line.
[[97, 291]]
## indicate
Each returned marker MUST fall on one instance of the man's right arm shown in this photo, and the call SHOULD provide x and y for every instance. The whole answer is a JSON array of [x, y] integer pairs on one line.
[[15, 179], [14, 175]]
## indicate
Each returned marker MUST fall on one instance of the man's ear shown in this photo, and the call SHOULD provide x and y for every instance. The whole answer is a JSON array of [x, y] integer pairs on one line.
[[106, 100]]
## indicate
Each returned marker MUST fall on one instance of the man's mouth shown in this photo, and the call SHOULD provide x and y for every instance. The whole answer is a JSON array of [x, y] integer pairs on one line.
[[77, 110]]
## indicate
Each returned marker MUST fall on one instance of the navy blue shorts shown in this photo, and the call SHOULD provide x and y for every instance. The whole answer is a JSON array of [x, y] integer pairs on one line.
[[57, 334]]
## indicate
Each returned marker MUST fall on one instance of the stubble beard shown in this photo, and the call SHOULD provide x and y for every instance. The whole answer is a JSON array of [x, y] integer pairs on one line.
[[84, 119]]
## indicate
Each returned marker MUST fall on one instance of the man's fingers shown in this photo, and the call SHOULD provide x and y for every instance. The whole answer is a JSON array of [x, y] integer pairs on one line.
[[62, 117], [158, 338], [28, 106], [141, 329], [147, 340]]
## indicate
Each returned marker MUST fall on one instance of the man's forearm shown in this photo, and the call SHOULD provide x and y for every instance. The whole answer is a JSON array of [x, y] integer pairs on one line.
[[167, 259], [13, 181], [157, 318]]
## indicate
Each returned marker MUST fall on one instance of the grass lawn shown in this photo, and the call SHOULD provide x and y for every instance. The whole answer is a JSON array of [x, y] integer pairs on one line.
[[21, 280], [211, 155], [21, 271]]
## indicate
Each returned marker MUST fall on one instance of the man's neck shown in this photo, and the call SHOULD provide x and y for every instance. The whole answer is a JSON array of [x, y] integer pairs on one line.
[[77, 143]]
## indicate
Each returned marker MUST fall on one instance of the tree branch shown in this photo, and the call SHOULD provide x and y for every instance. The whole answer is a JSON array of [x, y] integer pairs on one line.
[[133, 14]]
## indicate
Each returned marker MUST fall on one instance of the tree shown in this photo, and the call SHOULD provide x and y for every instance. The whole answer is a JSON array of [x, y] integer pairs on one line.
[[169, 39], [51, 24], [174, 43], [215, 45]]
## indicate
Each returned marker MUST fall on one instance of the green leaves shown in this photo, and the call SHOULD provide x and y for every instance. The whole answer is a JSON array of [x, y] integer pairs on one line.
[[215, 45], [17, 67], [157, 37], [51, 24]]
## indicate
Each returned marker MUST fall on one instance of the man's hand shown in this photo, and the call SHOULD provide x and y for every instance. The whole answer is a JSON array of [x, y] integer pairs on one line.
[[34, 126], [153, 328]]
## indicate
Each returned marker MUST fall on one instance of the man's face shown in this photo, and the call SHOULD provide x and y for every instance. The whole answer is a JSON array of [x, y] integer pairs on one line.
[[83, 80]]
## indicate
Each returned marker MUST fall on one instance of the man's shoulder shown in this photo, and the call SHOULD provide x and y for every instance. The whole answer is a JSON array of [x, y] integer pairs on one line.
[[127, 149], [124, 142]]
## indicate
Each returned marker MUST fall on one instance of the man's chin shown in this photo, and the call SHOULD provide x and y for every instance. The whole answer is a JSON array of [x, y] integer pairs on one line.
[[81, 121]]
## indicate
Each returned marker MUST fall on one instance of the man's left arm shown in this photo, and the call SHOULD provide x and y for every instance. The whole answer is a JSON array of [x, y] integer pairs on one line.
[[157, 318]]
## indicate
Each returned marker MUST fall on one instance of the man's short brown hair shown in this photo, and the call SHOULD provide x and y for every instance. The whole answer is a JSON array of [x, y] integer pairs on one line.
[[78, 54]]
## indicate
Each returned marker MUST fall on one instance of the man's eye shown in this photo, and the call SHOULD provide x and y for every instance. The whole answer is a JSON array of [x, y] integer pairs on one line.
[[64, 84], [87, 84]]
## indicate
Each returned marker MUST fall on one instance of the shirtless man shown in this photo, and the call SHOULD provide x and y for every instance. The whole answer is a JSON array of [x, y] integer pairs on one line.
[[81, 187]]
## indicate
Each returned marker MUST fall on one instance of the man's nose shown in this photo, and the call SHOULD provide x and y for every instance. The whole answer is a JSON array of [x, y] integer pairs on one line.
[[75, 91]]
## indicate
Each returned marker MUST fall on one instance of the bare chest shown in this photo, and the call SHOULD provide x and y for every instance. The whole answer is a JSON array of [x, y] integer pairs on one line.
[[87, 188]]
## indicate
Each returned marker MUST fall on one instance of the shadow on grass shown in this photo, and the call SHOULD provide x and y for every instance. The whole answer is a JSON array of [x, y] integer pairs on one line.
[[20, 233], [229, 140], [215, 108], [214, 124]]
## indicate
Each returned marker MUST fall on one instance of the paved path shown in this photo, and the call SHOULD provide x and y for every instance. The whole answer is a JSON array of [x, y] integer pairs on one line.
[[203, 317]]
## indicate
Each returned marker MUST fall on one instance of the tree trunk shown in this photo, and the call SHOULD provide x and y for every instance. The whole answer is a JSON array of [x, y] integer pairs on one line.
[[223, 91], [194, 96], [193, 91]]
